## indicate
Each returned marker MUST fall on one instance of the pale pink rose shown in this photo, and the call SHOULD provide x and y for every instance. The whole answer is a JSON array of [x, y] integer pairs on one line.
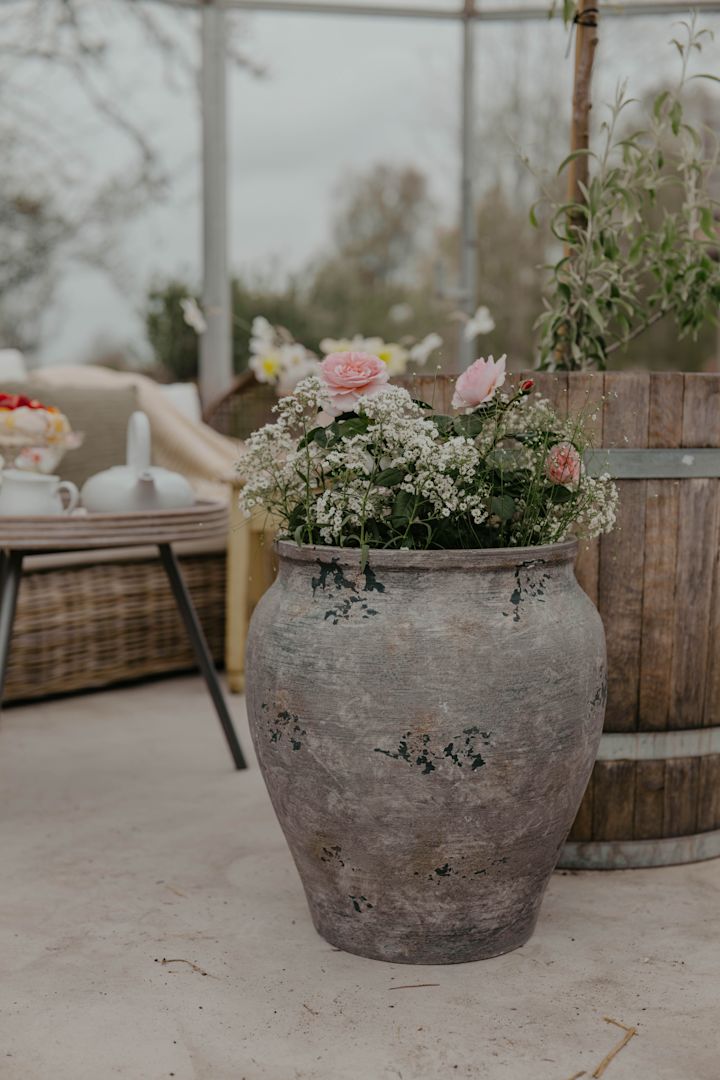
[[350, 376], [562, 464], [479, 383]]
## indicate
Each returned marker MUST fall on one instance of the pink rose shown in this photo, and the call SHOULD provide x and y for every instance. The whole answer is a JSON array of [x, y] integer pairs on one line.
[[479, 383], [562, 464], [350, 376]]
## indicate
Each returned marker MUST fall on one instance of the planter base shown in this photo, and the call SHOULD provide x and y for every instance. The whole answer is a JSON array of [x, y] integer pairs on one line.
[[464, 946]]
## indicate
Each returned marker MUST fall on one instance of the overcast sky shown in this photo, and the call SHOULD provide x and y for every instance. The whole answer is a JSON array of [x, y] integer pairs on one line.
[[339, 94]]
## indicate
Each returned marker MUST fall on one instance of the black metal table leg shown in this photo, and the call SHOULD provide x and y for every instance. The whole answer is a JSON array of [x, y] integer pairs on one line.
[[202, 652], [10, 573]]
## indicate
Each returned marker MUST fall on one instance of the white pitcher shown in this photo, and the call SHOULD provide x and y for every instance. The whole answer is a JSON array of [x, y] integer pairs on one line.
[[29, 494]]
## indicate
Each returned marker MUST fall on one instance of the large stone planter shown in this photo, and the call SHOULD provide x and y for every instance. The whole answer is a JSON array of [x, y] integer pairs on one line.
[[426, 728]]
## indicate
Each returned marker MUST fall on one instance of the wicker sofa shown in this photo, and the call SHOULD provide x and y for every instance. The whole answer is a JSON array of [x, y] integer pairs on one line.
[[93, 619]]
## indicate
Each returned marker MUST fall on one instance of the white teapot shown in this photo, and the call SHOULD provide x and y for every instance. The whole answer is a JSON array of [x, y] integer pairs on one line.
[[30, 494], [137, 485]]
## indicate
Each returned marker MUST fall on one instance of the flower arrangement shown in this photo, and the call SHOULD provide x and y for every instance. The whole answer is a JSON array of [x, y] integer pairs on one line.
[[38, 435], [276, 358], [354, 462]]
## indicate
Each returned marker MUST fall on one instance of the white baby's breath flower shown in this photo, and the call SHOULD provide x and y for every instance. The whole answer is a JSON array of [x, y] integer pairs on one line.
[[445, 483]]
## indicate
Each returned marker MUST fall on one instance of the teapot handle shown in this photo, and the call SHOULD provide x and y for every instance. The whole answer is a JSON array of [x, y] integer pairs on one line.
[[138, 442], [72, 493]]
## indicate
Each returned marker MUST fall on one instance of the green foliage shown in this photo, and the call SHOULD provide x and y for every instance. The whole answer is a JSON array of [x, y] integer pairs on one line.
[[642, 245], [174, 342], [176, 345]]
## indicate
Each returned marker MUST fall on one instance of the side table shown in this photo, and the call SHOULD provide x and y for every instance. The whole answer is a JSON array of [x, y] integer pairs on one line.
[[21, 536]]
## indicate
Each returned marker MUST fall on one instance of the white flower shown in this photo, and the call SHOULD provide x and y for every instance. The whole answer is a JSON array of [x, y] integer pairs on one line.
[[394, 356], [400, 313], [296, 364], [263, 338], [276, 359], [262, 330], [193, 315], [420, 352], [266, 366], [356, 344], [482, 322]]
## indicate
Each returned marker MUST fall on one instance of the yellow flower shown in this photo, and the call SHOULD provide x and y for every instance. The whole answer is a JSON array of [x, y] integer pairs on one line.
[[266, 366], [270, 366], [395, 356]]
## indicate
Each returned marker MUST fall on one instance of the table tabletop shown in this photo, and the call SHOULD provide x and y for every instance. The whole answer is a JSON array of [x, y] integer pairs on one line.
[[81, 530]]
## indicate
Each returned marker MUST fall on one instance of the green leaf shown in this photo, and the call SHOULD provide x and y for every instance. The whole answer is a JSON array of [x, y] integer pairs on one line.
[[317, 435], [659, 102], [390, 477], [345, 429], [707, 223], [421, 404], [297, 517], [502, 506], [675, 117], [402, 509], [470, 425], [364, 556], [572, 157], [298, 535], [594, 313], [561, 494], [444, 424]]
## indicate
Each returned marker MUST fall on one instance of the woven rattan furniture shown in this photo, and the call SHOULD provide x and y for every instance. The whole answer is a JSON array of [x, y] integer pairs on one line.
[[88, 620], [23, 536], [242, 409]]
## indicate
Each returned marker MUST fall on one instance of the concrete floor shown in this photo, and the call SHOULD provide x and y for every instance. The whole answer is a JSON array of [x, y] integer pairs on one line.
[[126, 839]]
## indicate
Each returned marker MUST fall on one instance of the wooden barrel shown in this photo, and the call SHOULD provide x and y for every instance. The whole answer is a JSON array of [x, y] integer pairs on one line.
[[654, 795]]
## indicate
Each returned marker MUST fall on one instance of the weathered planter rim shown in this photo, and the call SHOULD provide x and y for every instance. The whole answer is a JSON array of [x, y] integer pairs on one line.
[[450, 559]]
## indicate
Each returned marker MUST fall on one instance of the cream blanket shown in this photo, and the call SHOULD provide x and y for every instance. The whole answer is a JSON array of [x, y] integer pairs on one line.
[[206, 458]]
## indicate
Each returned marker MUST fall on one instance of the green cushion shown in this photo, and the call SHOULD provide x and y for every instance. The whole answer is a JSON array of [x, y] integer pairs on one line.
[[102, 415]]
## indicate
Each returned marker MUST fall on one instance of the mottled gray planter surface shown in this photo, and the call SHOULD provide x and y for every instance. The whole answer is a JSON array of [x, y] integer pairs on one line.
[[426, 728]]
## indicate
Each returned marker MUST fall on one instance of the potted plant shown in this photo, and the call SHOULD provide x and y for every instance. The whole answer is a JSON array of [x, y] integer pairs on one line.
[[426, 680], [639, 238]]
